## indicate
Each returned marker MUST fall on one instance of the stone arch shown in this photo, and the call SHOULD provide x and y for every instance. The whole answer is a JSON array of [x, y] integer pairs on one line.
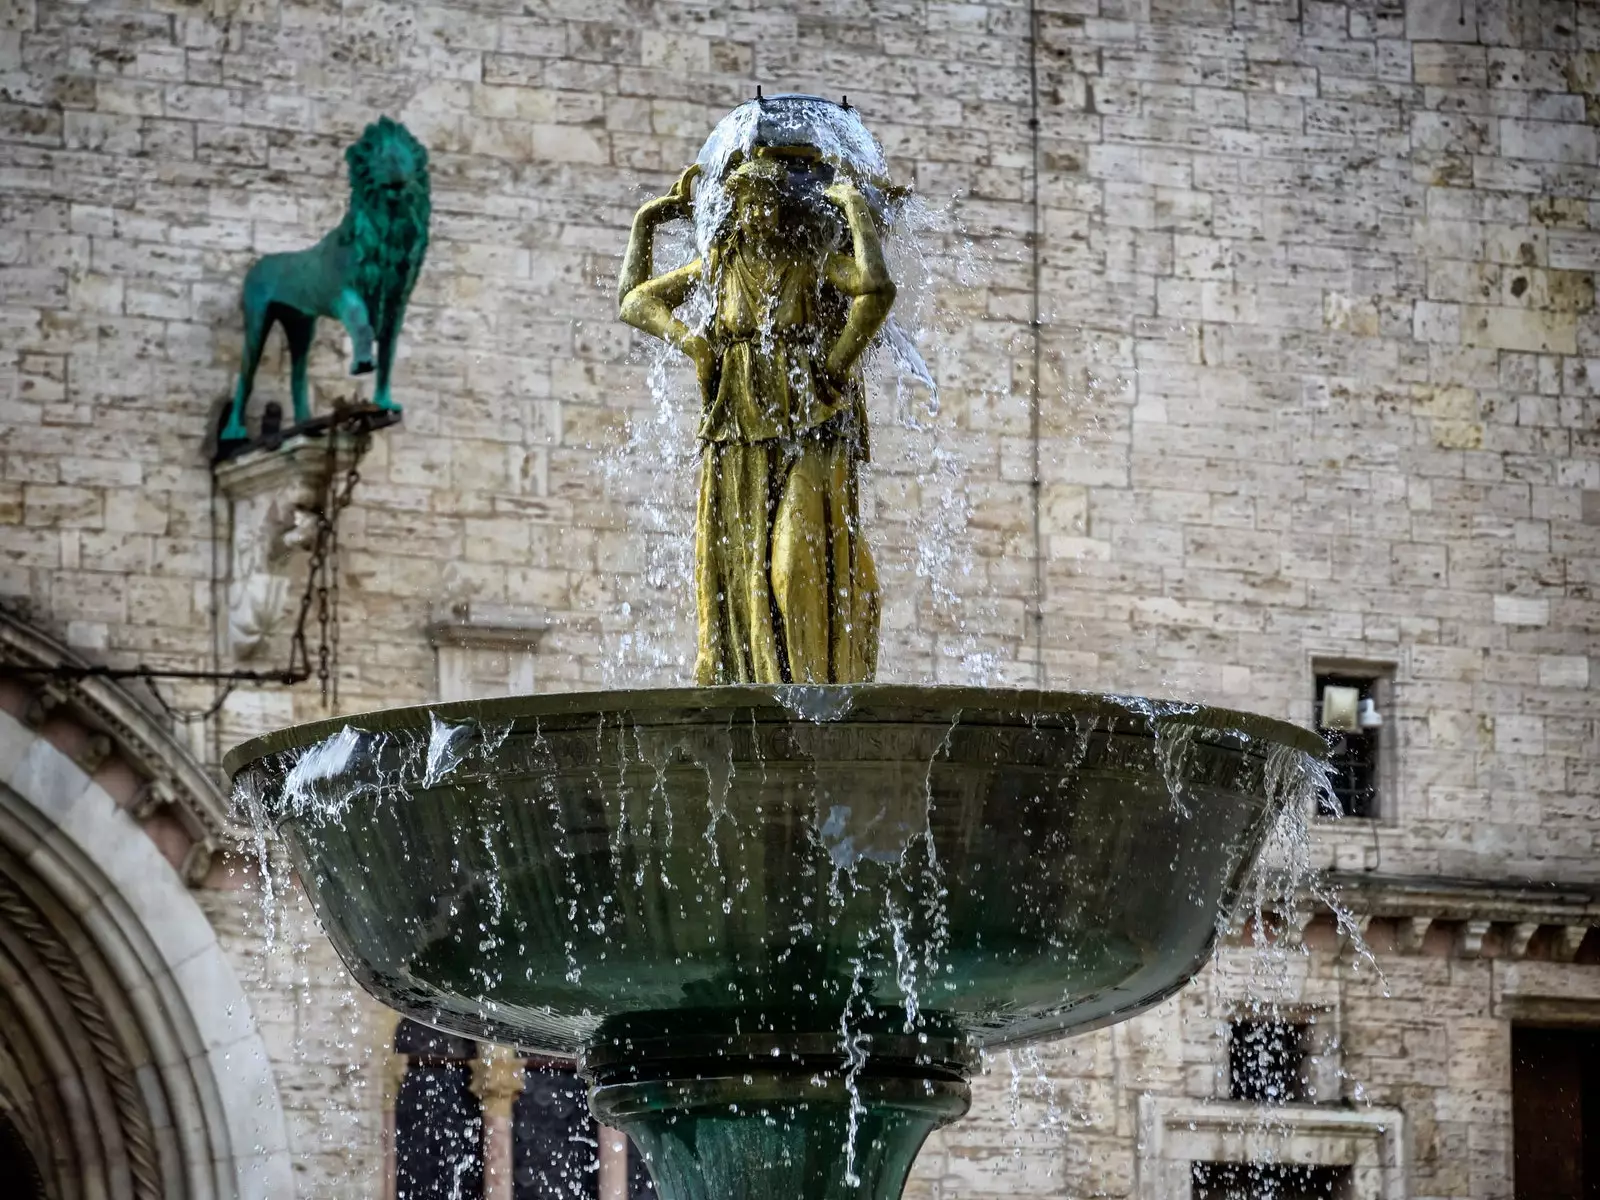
[[130, 1063]]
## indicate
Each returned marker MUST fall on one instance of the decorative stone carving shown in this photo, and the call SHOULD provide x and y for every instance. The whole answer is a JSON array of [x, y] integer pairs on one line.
[[197, 862], [171, 772], [108, 1070], [1469, 939], [1521, 936], [1471, 909], [1568, 940], [1411, 932], [1352, 937], [275, 499]]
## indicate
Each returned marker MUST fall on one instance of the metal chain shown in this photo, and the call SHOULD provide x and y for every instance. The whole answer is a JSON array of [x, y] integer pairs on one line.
[[328, 587], [191, 716], [333, 594], [324, 539], [335, 500]]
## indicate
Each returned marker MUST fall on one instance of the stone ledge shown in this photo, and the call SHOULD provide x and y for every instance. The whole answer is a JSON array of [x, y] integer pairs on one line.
[[1468, 918], [1459, 899], [488, 627]]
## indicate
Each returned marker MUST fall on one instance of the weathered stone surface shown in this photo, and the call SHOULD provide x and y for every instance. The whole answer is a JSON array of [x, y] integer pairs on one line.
[[1315, 379]]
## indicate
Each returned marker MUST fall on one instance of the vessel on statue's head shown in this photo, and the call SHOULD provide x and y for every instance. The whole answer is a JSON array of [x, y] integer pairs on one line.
[[816, 139], [792, 193]]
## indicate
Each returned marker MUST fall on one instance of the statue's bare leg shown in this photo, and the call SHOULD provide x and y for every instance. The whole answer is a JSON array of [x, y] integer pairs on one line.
[[800, 584], [257, 323], [298, 328]]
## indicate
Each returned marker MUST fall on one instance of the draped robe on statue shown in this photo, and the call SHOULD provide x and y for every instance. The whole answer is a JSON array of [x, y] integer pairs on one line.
[[787, 587]]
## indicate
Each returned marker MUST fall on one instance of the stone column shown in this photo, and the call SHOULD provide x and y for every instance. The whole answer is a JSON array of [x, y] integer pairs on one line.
[[497, 1078], [613, 1163]]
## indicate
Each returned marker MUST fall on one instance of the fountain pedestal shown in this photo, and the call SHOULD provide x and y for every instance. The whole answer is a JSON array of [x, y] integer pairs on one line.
[[772, 1123]]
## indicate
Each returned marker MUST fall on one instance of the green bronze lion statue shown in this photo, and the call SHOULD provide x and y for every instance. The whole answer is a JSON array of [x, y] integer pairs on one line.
[[361, 273]]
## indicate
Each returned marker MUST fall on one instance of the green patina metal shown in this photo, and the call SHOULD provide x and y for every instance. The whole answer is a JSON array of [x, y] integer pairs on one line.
[[361, 273]]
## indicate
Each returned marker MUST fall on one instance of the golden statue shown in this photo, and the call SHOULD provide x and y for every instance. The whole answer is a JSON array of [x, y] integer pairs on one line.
[[787, 591]]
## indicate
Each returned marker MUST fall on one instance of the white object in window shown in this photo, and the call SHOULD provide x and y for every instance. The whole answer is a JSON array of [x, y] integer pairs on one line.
[[1340, 708]]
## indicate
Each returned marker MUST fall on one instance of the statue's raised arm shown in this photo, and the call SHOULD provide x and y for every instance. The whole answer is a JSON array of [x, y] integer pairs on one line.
[[645, 300], [862, 275]]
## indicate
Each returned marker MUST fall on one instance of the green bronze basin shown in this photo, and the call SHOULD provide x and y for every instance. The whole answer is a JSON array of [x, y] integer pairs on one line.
[[822, 899]]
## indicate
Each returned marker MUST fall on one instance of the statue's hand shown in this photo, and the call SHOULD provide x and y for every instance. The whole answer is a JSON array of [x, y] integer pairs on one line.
[[677, 203], [705, 361], [844, 193]]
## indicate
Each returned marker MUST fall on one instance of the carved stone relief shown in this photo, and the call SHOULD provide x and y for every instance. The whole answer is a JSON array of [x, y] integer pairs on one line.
[[275, 499]]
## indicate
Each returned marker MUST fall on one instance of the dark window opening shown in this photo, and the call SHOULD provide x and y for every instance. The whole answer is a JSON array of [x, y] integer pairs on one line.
[[1353, 746], [556, 1151], [1555, 1113], [640, 1185], [438, 1128], [556, 1143], [1269, 1181], [1267, 1062], [438, 1122]]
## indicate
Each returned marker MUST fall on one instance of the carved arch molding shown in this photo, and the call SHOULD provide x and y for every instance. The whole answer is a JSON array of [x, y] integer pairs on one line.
[[130, 1065]]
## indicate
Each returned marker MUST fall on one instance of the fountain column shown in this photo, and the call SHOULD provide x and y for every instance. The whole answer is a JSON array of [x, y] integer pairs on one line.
[[394, 1074], [613, 1163], [497, 1080]]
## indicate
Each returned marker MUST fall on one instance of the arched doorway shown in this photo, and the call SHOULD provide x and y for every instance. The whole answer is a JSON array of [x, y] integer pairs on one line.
[[130, 1065]]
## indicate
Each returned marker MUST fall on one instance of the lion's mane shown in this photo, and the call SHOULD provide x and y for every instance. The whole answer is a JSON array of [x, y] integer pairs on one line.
[[387, 227]]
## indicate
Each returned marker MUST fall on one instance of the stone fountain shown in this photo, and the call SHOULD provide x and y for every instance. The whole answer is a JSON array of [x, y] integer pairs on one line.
[[777, 919]]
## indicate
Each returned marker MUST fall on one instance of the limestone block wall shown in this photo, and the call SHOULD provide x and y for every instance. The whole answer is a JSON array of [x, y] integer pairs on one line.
[[1315, 302], [1264, 333]]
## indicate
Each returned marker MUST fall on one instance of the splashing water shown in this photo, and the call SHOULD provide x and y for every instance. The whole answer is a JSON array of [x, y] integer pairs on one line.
[[447, 746]]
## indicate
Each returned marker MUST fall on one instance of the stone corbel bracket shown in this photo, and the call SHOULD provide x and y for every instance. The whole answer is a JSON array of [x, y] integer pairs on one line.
[[275, 498], [485, 649]]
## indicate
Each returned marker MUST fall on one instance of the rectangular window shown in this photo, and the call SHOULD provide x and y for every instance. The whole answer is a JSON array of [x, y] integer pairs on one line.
[[1269, 1181], [1267, 1061], [1350, 719], [1555, 1113]]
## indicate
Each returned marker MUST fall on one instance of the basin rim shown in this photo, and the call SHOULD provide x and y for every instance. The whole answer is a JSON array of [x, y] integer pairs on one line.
[[942, 702]]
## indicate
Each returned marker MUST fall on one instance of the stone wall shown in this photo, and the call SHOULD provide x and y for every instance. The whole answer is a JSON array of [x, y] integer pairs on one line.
[[1315, 301]]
